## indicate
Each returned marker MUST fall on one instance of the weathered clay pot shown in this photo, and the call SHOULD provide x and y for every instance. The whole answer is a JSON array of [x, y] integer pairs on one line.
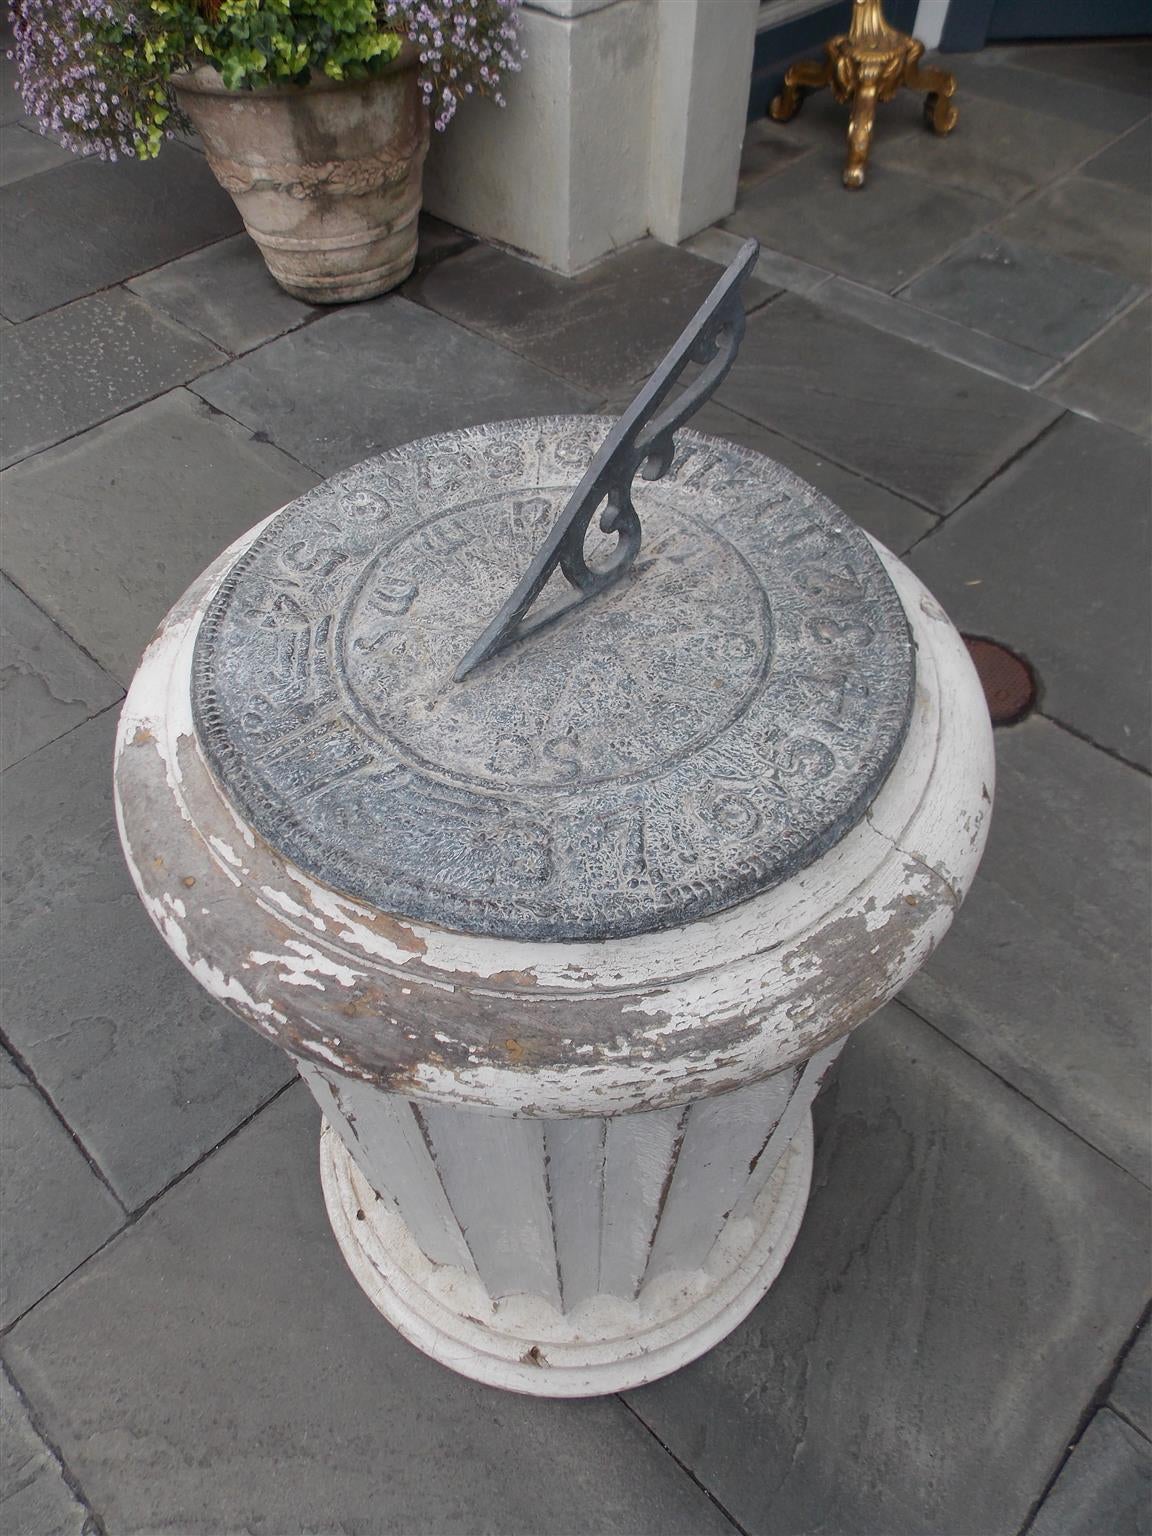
[[327, 176]]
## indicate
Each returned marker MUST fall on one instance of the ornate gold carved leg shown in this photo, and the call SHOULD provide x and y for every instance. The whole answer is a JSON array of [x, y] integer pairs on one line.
[[860, 132], [939, 113], [802, 78]]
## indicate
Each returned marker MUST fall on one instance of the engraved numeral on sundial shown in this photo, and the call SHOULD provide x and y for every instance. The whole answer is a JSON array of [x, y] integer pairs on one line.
[[310, 559], [842, 585], [444, 536], [799, 760], [389, 599], [829, 631], [320, 755], [808, 532], [623, 839], [838, 690]]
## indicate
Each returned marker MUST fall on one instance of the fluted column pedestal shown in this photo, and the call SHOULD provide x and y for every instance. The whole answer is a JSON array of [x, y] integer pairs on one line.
[[567, 1257]]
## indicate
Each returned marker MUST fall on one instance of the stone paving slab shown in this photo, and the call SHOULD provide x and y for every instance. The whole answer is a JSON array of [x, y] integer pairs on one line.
[[71, 231], [997, 150], [218, 1369], [143, 1066], [106, 531], [376, 375], [80, 365], [54, 1211], [926, 427], [47, 683], [226, 293], [988, 76], [1131, 1393], [901, 224], [1051, 558], [35, 1500], [900, 317], [1105, 1486], [773, 268], [604, 329], [1127, 162], [966, 1273], [1022, 294], [1119, 66], [1111, 379], [1045, 975], [23, 152], [1088, 221]]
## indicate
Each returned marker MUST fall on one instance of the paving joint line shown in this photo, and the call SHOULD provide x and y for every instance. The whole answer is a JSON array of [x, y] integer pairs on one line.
[[688, 1472], [999, 1076], [42, 1093], [1013, 458], [1098, 1400], [88, 719], [94, 1525], [1116, 756], [134, 1216]]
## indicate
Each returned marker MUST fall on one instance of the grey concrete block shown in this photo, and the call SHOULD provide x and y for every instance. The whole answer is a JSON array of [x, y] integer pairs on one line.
[[24, 152], [1111, 379], [376, 375], [71, 231], [47, 683], [997, 149], [1045, 976], [884, 237], [1088, 221], [106, 531], [773, 268], [54, 1211], [1131, 1393], [147, 1070], [898, 317], [989, 76], [920, 424], [1023, 294], [966, 1272], [1127, 162], [220, 1370], [606, 328], [1105, 1486], [1116, 66], [35, 1499], [226, 293], [1051, 558], [71, 369]]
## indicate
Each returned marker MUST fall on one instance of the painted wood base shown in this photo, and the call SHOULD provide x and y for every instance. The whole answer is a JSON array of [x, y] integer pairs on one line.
[[524, 1344]]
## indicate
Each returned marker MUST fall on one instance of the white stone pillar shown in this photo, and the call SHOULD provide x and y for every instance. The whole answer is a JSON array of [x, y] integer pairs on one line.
[[628, 117]]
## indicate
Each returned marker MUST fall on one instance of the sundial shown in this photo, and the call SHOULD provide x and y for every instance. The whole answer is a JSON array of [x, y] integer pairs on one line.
[[559, 678]]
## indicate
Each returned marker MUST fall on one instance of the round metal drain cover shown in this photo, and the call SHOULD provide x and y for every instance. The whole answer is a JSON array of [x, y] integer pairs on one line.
[[1007, 680]]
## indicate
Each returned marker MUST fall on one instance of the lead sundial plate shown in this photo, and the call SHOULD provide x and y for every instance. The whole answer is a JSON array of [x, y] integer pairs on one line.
[[695, 734]]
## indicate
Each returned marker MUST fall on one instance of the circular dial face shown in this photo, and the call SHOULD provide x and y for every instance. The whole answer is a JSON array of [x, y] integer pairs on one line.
[[695, 733]]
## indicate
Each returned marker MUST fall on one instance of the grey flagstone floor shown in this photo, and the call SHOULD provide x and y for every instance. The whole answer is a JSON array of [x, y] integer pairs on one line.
[[960, 356]]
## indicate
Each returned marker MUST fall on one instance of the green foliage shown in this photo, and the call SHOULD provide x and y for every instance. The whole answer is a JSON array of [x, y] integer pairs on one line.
[[256, 42]]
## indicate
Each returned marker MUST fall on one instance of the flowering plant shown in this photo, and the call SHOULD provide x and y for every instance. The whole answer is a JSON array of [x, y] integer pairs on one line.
[[97, 74]]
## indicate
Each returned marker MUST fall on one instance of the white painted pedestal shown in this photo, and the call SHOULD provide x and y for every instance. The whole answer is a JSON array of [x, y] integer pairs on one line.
[[561, 1168]]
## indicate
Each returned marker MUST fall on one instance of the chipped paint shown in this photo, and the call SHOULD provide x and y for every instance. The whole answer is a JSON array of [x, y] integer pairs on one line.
[[558, 1029]]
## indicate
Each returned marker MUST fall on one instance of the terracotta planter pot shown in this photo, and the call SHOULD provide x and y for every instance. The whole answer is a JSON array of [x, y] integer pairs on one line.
[[327, 176]]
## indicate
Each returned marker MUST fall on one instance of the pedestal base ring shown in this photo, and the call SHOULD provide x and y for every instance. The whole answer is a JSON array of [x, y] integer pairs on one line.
[[522, 1343]]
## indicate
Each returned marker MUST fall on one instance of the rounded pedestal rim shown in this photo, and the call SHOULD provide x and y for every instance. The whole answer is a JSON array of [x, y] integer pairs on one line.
[[543, 1028]]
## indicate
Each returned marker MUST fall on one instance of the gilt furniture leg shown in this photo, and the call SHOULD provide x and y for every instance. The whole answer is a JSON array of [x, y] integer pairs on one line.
[[860, 133], [802, 78], [939, 113]]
